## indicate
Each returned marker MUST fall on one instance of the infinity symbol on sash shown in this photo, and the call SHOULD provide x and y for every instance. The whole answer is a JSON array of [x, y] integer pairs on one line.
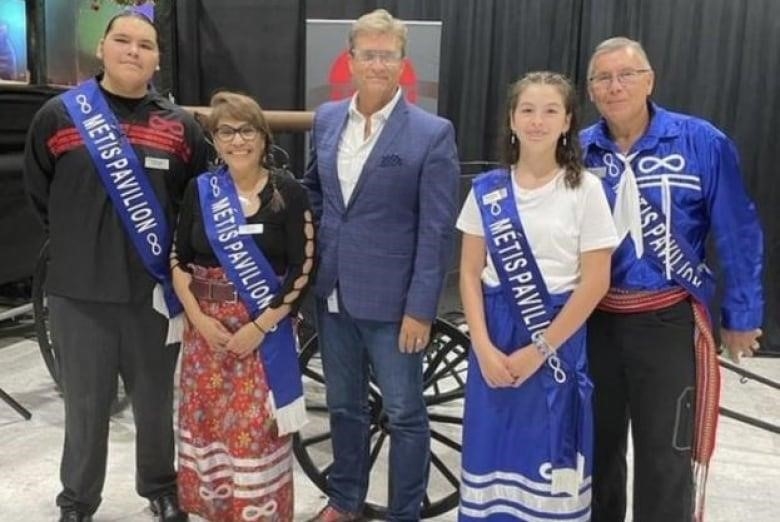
[[555, 364], [613, 169], [672, 162], [214, 182], [223, 491], [255, 513], [154, 242], [84, 105]]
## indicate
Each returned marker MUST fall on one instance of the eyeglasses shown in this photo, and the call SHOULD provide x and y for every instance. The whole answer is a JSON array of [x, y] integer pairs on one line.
[[625, 77], [226, 133], [369, 55]]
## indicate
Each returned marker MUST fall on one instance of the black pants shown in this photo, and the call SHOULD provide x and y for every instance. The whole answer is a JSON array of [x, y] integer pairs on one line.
[[97, 342], [644, 372]]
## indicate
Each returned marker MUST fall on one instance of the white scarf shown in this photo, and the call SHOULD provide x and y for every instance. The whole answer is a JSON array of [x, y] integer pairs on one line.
[[626, 213]]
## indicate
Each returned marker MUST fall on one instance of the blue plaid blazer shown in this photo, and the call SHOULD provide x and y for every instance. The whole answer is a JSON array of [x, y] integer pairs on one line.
[[388, 247]]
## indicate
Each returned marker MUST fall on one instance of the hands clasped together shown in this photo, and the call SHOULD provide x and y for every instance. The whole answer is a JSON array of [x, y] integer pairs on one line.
[[501, 370], [241, 343]]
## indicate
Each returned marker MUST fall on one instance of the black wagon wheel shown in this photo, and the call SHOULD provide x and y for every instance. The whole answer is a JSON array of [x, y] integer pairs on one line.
[[45, 343], [48, 345], [444, 374]]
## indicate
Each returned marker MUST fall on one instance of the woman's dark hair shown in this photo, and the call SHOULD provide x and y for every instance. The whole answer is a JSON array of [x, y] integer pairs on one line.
[[567, 155], [132, 14]]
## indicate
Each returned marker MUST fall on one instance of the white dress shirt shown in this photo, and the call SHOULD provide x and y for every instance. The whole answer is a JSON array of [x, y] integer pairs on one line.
[[355, 146]]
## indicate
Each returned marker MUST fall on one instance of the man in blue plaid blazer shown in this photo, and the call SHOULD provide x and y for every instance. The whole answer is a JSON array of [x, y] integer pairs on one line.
[[383, 181]]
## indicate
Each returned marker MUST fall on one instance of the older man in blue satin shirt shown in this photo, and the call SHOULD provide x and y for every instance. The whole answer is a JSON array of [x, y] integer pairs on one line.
[[673, 180]]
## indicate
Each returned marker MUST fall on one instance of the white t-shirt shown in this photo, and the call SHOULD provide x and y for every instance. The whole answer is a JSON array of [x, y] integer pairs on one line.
[[560, 223]]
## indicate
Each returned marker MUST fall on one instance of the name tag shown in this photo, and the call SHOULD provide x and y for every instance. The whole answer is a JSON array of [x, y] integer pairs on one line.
[[156, 163], [601, 172], [492, 197], [248, 230]]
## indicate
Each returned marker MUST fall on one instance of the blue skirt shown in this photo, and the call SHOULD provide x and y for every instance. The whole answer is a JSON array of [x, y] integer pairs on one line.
[[527, 451]]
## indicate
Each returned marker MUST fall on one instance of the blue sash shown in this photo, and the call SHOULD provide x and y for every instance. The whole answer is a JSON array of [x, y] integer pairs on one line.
[[524, 287], [126, 183], [686, 269], [521, 279], [256, 283]]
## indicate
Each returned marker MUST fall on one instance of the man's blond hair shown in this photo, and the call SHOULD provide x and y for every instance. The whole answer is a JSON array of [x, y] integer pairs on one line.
[[379, 21]]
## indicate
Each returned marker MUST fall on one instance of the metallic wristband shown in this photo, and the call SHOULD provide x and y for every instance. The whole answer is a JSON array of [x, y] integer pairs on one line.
[[541, 343]]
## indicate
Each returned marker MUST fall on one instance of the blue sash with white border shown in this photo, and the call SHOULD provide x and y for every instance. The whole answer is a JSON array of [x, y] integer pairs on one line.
[[672, 255], [524, 287], [126, 183], [256, 284]]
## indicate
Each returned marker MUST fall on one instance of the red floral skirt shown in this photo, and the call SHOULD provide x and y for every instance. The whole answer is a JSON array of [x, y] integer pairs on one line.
[[232, 464]]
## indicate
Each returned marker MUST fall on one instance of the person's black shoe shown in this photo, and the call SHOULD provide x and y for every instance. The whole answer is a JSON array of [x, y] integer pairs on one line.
[[71, 515], [166, 508]]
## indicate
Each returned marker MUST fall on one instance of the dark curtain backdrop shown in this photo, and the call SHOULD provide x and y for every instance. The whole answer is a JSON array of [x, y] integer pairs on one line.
[[246, 45], [21, 233], [718, 59]]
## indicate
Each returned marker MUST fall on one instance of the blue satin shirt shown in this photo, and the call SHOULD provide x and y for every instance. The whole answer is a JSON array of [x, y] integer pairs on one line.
[[688, 166]]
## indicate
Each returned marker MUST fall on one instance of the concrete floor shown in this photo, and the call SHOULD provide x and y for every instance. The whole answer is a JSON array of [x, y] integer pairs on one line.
[[744, 477]]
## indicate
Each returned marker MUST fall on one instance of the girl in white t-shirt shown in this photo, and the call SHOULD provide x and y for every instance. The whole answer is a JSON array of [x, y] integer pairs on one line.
[[527, 422]]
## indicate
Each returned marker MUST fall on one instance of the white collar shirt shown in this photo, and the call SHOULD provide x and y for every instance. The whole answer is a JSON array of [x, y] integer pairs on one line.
[[355, 146]]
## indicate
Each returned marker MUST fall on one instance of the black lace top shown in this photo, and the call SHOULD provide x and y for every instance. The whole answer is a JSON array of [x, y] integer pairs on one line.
[[287, 237]]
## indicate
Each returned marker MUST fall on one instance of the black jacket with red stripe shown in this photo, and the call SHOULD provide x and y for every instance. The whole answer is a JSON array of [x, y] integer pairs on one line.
[[90, 255]]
